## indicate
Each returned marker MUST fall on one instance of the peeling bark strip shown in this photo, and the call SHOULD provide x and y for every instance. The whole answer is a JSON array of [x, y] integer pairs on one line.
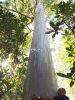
[[41, 79]]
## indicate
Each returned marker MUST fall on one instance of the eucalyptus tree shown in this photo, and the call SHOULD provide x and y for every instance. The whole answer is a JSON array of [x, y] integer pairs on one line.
[[50, 81], [15, 17], [41, 79]]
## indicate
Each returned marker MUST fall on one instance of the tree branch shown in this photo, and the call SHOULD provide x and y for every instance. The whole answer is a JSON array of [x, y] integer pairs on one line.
[[31, 18]]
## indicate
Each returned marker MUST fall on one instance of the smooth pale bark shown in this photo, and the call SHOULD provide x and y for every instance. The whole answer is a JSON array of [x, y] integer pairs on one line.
[[41, 79]]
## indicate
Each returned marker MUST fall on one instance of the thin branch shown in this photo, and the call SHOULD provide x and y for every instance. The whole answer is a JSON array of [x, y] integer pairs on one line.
[[29, 28], [31, 18], [15, 5]]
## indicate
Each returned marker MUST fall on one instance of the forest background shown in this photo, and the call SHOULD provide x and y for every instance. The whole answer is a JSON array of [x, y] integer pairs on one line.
[[16, 28]]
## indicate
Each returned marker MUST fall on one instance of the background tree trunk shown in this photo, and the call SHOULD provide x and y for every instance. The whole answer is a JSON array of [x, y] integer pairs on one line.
[[41, 79]]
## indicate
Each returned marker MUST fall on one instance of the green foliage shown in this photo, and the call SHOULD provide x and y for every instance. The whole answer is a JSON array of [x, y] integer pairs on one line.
[[13, 33], [64, 22], [70, 75], [12, 81], [62, 75], [55, 26], [71, 83], [14, 40]]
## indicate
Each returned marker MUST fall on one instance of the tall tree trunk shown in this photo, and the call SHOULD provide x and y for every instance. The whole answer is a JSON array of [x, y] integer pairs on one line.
[[41, 79]]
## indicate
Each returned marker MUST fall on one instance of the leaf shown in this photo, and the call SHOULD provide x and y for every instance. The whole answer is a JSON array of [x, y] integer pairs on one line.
[[70, 55], [48, 32], [26, 59], [58, 23], [74, 63], [52, 24], [62, 75], [57, 16], [73, 68], [71, 83], [68, 49], [69, 75], [0, 2], [53, 35], [56, 32]]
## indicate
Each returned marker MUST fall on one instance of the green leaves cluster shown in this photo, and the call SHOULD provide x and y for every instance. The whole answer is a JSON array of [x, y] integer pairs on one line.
[[70, 75], [12, 81], [11, 30], [14, 38], [64, 23], [13, 33], [56, 26]]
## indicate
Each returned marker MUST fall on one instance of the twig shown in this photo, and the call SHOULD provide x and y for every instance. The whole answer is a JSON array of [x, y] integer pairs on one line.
[[31, 18]]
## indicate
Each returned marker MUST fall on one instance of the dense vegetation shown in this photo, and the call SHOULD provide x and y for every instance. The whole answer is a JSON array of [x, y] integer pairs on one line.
[[15, 40], [64, 23]]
